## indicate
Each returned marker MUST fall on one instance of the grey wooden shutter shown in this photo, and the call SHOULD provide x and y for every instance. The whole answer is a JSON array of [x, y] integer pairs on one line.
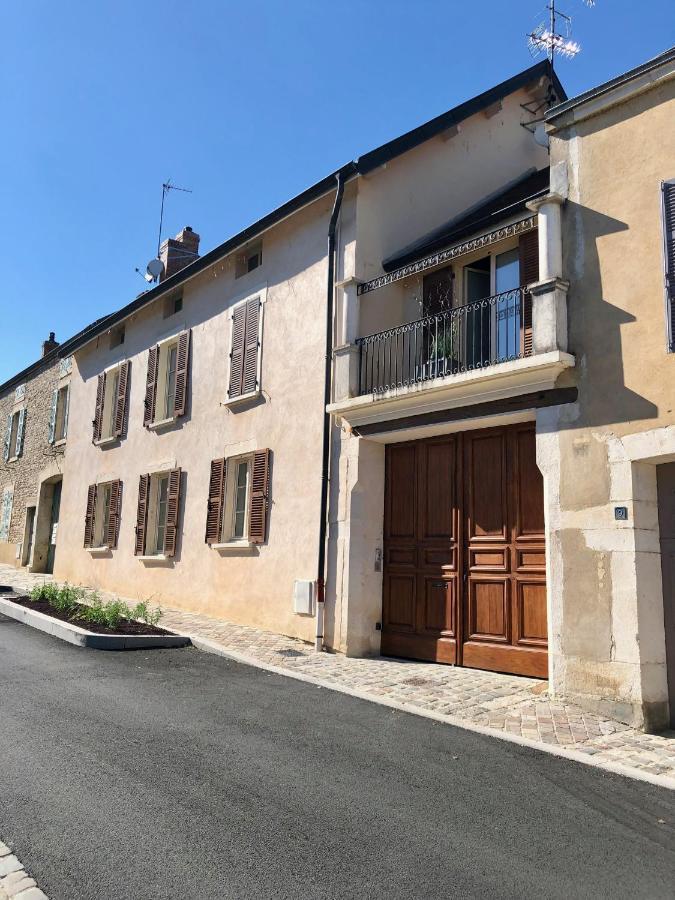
[[8, 437], [259, 502], [237, 352], [250, 373], [20, 431], [172, 507], [98, 412], [151, 386], [52, 416], [142, 514], [66, 410], [182, 354], [121, 399], [89, 516], [214, 509], [668, 193], [112, 529], [528, 247]]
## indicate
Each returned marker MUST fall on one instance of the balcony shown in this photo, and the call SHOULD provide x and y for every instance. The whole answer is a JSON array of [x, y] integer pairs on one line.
[[469, 338]]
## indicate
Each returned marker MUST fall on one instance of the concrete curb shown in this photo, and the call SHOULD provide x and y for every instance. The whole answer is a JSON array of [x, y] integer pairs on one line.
[[73, 634], [208, 646]]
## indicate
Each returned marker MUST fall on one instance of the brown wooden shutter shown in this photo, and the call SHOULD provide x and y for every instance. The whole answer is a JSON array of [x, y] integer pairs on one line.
[[98, 413], [182, 354], [529, 273], [258, 506], [113, 528], [214, 510], [250, 374], [172, 506], [151, 386], [237, 352], [121, 399], [89, 516], [668, 188], [142, 514]]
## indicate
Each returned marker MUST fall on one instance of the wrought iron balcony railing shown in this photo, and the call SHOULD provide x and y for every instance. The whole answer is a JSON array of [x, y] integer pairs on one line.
[[480, 334]]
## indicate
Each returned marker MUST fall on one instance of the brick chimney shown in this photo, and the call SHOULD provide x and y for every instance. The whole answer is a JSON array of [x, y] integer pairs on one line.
[[49, 344], [178, 252]]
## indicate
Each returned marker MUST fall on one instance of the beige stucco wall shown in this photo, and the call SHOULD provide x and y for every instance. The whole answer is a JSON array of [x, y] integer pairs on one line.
[[606, 607], [252, 587]]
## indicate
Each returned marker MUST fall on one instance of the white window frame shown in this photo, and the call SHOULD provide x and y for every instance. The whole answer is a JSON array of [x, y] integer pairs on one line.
[[61, 414], [152, 550], [101, 517], [109, 404], [163, 416], [228, 541], [15, 417]]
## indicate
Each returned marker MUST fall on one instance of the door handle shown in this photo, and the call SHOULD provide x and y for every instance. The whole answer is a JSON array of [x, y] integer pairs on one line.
[[440, 584]]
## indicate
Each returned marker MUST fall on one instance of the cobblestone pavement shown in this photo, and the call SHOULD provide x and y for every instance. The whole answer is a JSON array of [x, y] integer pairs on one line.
[[504, 703], [14, 880]]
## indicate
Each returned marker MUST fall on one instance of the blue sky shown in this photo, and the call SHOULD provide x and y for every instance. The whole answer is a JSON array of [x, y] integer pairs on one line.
[[245, 103]]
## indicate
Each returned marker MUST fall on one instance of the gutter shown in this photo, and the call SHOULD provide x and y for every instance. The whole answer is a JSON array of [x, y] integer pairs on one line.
[[327, 396]]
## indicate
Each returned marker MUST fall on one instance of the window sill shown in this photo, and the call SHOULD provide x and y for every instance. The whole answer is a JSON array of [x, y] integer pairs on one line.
[[159, 558], [162, 423], [234, 546], [60, 443], [12, 459], [235, 401], [102, 442], [104, 548]]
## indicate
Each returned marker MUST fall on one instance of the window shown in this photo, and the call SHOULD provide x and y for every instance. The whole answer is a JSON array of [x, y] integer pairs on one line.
[[111, 403], [245, 349], [58, 421], [14, 434], [173, 305], [102, 515], [166, 385], [6, 512], [668, 210], [157, 514], [117, 336], [238, 499], [248, 260]]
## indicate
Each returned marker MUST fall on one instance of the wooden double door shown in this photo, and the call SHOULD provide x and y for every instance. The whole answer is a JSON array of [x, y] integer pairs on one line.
[[464, 551]]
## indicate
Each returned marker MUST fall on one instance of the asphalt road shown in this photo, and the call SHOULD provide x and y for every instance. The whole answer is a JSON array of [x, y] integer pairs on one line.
[[175, 774]]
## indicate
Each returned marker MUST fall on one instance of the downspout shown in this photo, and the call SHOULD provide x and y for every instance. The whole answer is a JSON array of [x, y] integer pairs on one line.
[[327, 396]]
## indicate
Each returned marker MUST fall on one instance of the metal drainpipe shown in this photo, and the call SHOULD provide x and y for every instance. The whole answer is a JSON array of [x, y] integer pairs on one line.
[[323, 523]]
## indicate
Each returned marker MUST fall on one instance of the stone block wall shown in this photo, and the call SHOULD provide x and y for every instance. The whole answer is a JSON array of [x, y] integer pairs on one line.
[[23, 474]]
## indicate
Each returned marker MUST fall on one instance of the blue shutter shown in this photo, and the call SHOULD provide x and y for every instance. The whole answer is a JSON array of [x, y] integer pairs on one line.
[[66, 407], [20, 430], [52, 416], [8, 437]]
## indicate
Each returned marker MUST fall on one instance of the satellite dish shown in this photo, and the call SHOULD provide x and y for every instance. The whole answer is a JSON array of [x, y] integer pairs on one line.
[[540, 136], [155, 268]]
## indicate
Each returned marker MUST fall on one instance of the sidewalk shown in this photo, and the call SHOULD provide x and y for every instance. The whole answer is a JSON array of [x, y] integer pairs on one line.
[[503, 705]]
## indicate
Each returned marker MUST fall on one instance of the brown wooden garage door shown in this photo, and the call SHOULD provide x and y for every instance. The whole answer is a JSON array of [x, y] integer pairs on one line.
[[464, 570]]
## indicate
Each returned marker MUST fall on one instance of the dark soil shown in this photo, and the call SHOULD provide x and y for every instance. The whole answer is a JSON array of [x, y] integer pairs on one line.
[[125, 626]]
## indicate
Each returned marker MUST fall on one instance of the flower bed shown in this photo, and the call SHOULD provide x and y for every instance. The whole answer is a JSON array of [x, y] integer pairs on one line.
[[86, 610]]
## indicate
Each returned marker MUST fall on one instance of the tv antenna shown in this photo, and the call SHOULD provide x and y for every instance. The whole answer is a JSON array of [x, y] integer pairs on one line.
[[547, 39], [166, 187]]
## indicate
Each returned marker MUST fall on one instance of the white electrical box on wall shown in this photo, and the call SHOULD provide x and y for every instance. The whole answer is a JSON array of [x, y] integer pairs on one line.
[[303, 598]]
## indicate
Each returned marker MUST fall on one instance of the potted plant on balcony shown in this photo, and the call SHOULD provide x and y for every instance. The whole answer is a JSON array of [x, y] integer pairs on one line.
[[443, 353]]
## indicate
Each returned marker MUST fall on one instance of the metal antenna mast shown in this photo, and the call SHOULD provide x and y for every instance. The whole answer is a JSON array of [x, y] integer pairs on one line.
[[549, 40], [166, 187]]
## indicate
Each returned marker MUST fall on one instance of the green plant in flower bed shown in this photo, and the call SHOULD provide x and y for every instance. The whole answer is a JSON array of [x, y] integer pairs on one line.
[[78, 605]]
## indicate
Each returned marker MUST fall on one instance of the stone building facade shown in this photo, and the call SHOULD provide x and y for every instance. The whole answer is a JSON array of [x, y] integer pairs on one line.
[[34, 422]]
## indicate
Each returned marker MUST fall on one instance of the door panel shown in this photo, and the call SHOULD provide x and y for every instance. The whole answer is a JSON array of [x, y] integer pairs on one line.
[[421, 550], [465, 564]]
